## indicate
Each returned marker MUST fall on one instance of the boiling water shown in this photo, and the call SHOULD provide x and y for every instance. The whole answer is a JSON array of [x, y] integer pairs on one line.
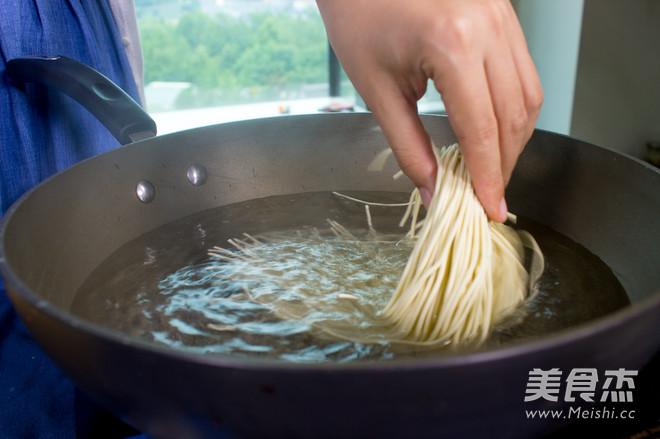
[[162, 286]]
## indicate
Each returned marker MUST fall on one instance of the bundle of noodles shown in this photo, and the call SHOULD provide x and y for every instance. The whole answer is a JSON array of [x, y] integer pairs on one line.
[[465, 273]]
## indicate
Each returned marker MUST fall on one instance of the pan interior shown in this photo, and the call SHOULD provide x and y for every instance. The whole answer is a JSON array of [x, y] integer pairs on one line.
[[157, 287]]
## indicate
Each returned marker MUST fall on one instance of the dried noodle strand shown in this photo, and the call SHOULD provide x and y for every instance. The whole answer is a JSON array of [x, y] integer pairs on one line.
[[465, 273]]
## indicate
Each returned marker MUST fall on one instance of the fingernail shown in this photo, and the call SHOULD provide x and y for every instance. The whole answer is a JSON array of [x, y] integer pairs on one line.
[[503, 210], [426, 196]]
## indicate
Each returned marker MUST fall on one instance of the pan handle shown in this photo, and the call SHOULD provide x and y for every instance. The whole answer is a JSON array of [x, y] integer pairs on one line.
[[120, 114]]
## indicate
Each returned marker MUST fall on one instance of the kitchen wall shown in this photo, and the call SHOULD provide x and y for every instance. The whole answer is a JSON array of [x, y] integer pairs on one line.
[[599, 64], [617, 88], [552, 29]]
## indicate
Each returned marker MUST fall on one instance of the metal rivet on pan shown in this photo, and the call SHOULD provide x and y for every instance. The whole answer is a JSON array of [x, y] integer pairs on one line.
[[197, 174], [145, 191]]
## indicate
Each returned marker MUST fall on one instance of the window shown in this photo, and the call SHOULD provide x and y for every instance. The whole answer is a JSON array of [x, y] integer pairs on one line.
[[213, 61]]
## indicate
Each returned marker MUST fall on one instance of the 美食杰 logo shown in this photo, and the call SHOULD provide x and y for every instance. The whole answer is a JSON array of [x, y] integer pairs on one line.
[[581, 386]]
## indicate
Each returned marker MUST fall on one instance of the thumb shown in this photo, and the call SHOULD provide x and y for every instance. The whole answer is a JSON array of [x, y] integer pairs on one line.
[[399, 120]]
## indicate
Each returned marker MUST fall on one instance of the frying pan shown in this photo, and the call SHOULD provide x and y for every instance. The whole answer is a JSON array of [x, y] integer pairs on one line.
[[55, 235]]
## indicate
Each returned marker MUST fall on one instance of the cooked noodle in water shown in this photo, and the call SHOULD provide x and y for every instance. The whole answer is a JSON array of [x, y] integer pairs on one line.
[[464, 274]]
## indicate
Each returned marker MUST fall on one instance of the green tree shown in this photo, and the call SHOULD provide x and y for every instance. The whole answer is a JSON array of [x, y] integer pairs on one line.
[[223, 56]]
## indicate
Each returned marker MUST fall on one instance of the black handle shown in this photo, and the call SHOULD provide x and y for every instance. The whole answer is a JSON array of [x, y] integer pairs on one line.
[[120, 114]]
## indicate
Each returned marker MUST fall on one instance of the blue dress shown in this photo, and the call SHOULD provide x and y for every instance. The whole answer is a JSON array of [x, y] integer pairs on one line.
[[42, 132]]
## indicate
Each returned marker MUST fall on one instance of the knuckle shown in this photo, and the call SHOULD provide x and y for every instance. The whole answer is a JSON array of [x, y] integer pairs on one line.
[[534, 99], [463, 28], [460, 33], [454, 33], [495, 14]]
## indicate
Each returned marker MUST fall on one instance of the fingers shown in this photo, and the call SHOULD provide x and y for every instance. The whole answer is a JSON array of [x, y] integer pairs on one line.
[[462, 79], [522, 118], [379, 66], [493, 97], [397, 114], [475, 52], [529, 78], [471, 114], [508, 105]]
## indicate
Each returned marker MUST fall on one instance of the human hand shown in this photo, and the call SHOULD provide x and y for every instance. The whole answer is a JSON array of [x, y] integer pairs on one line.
[[475, 53]]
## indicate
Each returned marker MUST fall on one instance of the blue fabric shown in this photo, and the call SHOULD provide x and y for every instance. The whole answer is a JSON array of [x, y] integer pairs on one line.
[[42, 132]]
